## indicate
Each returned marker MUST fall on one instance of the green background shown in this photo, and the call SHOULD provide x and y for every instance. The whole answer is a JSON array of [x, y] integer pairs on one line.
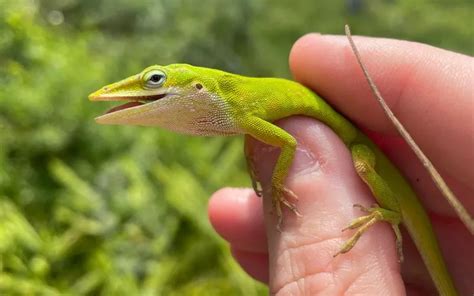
[[113, 210]]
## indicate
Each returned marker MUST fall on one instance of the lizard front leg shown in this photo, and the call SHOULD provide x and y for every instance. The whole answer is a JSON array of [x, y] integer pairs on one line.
[[253, 173], [271, 134]]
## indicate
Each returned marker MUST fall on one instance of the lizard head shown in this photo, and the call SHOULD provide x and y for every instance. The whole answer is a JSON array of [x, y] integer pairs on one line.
[[178, 97]]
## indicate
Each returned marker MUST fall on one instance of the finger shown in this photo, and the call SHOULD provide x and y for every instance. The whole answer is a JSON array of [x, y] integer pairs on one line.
[[429, 90], [255, 264], [237, 215], [454, 239], [323, 178], [434, 202]]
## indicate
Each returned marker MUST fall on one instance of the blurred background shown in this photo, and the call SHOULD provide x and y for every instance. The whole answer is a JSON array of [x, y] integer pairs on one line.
[[114, 210]]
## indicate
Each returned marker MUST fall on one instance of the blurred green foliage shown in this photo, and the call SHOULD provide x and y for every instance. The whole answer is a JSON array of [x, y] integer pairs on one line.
[[107, 210]]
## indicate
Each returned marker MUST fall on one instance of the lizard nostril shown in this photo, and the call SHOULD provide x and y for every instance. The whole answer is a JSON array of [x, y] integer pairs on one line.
[[198, 85]]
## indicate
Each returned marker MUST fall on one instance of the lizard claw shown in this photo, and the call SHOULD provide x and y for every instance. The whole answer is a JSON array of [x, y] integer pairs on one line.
[[281, 195]]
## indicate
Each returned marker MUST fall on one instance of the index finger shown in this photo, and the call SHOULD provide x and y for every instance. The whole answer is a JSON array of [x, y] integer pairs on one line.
[[429, 90]]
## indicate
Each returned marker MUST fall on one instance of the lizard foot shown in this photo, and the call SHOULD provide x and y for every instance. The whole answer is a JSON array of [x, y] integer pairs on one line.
[[281, 195], [375, 214]]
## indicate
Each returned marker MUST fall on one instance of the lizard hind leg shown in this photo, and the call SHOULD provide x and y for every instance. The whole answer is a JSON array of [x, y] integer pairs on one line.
[[387, 210]]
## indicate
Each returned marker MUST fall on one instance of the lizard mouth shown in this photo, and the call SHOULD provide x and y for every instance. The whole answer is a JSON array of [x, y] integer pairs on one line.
[[134, 107], [134, 102]]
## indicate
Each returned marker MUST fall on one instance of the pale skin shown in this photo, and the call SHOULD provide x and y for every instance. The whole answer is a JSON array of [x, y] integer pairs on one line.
[[419, 83]]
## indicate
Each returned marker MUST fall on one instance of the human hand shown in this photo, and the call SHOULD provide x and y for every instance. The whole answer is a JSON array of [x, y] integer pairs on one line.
[[430, 91]]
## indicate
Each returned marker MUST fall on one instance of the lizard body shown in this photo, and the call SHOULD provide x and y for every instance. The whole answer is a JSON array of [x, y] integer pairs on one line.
[[203, 101]]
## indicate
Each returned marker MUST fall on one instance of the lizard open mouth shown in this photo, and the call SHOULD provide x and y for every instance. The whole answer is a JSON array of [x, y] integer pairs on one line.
[[135, 101]]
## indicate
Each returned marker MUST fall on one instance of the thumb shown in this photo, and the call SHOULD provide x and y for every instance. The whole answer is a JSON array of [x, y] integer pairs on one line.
[[301, 258]]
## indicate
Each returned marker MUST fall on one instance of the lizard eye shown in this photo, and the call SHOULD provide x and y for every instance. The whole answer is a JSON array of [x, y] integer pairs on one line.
[[154, 79]]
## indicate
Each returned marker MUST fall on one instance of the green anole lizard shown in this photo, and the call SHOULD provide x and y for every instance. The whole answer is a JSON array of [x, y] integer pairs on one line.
[[202, 101]]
